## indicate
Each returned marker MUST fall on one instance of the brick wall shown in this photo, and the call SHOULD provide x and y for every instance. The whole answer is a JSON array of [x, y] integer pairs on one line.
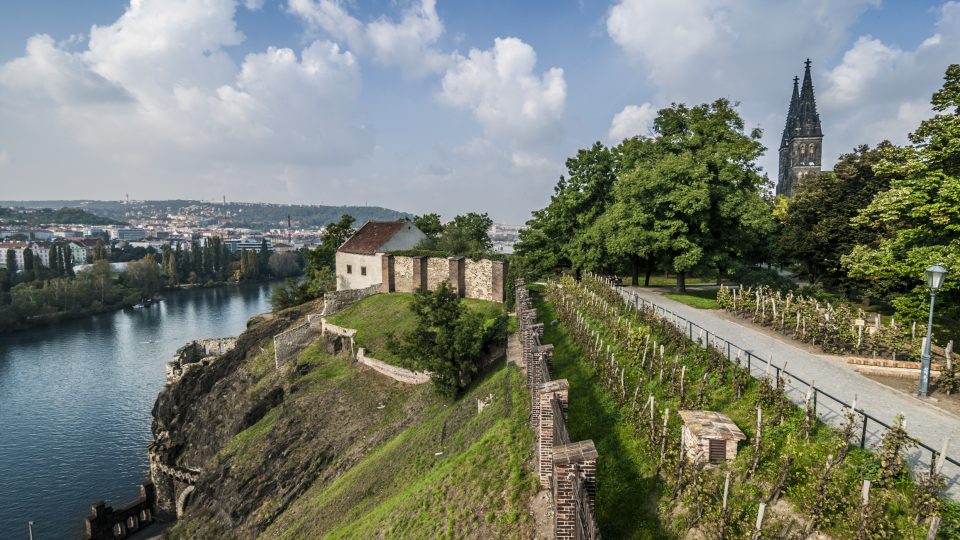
[[484, 279], [567, 469]]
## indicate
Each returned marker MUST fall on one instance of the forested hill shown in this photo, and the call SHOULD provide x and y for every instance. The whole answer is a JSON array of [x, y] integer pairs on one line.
[[236, 214], [45, 216]]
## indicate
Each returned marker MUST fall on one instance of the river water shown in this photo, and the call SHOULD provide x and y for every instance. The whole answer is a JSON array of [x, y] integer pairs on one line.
[[75, 403]]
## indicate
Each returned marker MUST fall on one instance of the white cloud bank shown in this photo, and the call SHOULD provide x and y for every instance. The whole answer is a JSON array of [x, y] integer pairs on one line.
[[156, 90]]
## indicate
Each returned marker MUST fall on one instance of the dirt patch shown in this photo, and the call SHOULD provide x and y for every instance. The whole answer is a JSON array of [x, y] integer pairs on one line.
[[541, 510]]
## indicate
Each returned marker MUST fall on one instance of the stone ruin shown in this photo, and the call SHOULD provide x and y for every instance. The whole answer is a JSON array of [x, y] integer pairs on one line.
[[710, 436]]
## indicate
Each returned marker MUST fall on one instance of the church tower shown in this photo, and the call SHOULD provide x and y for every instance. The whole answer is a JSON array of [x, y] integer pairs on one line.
[[802, 142]]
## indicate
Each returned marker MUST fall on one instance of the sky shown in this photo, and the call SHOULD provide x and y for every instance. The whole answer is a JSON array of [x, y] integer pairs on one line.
[[425, 105]]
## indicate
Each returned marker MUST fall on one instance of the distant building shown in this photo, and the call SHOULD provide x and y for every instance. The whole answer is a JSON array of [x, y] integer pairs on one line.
[[128, 234], [359, 259], [240, 244], [802, 143]]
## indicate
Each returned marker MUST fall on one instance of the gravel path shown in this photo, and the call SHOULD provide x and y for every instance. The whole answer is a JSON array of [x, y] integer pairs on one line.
[[831, 375]]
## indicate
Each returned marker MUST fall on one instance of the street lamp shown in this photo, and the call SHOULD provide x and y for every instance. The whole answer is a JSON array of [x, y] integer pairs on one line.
[[935, 276]]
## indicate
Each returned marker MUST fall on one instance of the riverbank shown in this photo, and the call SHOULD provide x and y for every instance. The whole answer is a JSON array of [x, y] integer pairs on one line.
[[85, 388], [129, 301]]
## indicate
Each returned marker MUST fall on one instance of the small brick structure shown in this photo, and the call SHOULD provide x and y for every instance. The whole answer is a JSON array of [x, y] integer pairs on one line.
[[710, 436]]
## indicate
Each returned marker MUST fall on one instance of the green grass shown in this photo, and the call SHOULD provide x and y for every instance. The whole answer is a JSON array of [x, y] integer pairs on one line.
[[478, 487], [697, 299], [378, 317], [660, 280]]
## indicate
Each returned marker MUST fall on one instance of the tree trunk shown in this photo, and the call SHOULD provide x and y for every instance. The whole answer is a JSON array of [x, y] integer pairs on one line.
[[681, 282], [646, 279], [635, 275]]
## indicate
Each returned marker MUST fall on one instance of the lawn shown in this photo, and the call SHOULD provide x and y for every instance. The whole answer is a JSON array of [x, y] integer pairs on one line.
[[697, 299], [661, 280], [378, 317]]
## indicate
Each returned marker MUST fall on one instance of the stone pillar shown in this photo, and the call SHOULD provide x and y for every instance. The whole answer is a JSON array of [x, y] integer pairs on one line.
[[554, 390], [498, 289], [573, 462], [388, 285], [545, 358], [457, 277], [419, 272]]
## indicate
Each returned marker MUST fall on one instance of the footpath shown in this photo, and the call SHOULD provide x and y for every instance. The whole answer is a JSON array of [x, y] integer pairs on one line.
[[832, 375]]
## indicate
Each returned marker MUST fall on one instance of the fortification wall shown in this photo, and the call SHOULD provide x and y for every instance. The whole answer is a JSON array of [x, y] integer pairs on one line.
[[107, 523], [335, 301], [196, 353], [567, 469], [483, 279], [394, 372], [287, 344]]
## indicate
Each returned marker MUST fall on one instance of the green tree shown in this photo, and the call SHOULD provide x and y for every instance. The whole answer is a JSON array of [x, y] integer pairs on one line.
[[99, 251], [446, 341], [29, 269], [263, 257], [467, 234], [691, 194], [11, 262], [144, 276], [430, 225], [817, 229], [916, 222]]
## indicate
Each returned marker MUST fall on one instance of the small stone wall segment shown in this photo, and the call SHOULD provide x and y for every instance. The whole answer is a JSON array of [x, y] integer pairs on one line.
[[287, 344], [335, 301], [419, 272], [438, 271], [478, 279], [107, 523], [455, 270], [394, 372], [196, 353], [403, 274], [568, 470]]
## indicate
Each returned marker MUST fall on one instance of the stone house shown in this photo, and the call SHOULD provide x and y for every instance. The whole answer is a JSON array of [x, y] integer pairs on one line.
[[710, 436], [359, 260]]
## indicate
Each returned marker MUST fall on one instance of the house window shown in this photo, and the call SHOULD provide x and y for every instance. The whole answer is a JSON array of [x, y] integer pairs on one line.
[[363, 270], [349, 269]]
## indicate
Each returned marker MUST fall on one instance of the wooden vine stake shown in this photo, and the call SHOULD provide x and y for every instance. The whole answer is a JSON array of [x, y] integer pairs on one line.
[[723, 507], [760, 511], [934, 527], [808, 408], [864, 510], [756, 443]]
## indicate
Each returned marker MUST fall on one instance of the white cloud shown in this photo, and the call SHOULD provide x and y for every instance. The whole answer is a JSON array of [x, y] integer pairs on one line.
[[408, 44], [156, 97], [253, 5], [502, 91], [861, 65], [631, 121]]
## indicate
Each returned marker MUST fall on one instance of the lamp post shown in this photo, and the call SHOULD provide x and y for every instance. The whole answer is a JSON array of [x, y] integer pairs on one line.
[[935, 276], [30, 529]]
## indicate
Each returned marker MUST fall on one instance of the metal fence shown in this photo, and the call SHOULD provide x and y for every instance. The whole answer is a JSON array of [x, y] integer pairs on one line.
[[826, 407]]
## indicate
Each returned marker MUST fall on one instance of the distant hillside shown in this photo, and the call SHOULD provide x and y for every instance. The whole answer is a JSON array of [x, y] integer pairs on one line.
[[236, 214], [50, 216]]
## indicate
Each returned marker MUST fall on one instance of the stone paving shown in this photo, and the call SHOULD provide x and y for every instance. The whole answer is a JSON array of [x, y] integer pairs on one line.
[[832, 375]]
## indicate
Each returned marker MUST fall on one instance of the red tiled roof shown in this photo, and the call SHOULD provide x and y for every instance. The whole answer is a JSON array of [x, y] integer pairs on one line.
[[371, 236]]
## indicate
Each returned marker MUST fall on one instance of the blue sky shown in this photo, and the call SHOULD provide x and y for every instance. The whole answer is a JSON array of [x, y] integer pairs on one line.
[[421, 105]]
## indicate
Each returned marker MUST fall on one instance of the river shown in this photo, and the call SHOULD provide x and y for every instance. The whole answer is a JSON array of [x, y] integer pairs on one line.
[[75, 401]]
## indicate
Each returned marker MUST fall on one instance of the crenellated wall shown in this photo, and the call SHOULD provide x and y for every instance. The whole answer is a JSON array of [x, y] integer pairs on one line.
[[107, 523], [196, 353], [567, 469], [483, 279]]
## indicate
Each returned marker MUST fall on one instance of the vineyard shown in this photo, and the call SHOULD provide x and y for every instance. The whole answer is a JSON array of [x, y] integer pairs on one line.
[[793, 477], [836, 329]]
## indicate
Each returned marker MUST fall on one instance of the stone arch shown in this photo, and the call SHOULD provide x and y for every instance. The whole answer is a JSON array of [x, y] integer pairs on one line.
[[184, 500]]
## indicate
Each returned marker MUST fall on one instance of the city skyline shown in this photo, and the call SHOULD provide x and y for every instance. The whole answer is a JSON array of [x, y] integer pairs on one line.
[[418, 106]]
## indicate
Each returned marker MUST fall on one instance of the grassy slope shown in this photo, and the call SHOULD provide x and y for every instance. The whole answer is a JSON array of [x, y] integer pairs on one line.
[[377, 317], [697, 299], [478, 487], [630, 503]]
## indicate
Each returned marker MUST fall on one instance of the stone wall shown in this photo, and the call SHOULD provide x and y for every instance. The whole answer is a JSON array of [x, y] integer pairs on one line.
[[287, 344], [394, 372], [335, 301], [105, 522], [438, 271], [195, 354], [484, 279], [567, 469]]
